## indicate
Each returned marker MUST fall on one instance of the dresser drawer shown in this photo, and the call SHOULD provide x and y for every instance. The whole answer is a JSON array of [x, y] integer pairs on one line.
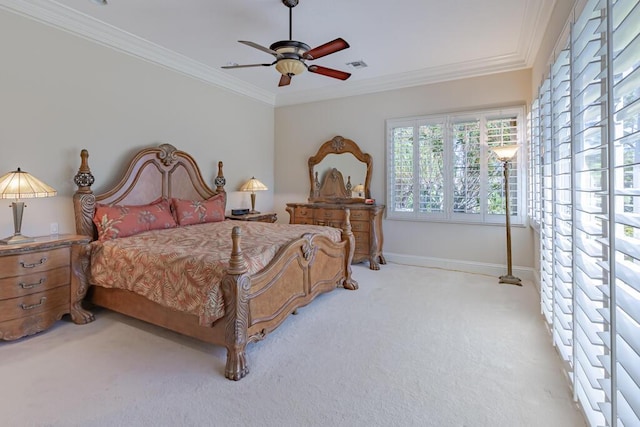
[[330, 214], [362, 242], [359, 215], [304, 221], [362, 226], [32, 262], [28, 305], [303, 213], [13, 287]]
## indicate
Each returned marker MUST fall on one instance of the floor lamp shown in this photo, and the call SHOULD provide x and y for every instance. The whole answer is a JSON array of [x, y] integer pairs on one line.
[[505, 153]]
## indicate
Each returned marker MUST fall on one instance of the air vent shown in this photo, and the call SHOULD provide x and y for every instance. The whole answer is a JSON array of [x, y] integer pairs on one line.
[[357, 64]]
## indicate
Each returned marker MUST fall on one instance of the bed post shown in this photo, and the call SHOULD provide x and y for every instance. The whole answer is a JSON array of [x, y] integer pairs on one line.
[[235, 287], [347, 235], [84, 202]]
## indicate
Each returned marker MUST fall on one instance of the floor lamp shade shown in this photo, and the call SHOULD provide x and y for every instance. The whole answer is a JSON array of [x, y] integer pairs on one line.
[[253, 185], [505, 153], [18, 185]]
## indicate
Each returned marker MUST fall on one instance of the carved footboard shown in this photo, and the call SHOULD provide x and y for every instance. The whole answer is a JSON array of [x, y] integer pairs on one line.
[[256, 305]]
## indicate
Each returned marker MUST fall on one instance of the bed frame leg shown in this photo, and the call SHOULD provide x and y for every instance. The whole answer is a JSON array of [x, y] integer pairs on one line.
[[347, 235], [235, 287], [79, 268]]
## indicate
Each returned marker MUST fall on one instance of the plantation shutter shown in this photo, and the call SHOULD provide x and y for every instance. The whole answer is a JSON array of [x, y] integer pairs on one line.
[[562, 211], [432, 163], [625, 204], [590, 212], [467, 182], [401, 162], [502, 131], [546, 205], [534, 163]]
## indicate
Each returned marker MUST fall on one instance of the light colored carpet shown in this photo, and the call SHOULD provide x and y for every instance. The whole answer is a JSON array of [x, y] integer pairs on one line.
[[412, 347]]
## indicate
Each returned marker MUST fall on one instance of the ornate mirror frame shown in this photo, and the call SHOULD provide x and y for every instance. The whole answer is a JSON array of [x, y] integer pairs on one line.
[[338, 145]]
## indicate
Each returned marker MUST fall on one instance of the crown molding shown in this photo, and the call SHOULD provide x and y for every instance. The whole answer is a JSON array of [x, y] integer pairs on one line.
[[431, 75], [62, 17], [536, 18], [54, 14]]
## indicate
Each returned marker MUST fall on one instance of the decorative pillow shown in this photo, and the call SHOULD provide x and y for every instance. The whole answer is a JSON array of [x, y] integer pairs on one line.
[[121, 221], [189, 212]]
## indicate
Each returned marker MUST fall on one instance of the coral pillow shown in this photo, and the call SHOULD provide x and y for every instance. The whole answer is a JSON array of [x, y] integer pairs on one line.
[[189, 212], [121, 221]]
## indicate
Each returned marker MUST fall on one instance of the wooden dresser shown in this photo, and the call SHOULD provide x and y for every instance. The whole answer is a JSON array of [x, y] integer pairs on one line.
[[38, 281], [366, 224]]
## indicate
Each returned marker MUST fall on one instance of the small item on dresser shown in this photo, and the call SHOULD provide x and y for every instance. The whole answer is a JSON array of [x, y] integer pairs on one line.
[[369, 201], [239, 211]]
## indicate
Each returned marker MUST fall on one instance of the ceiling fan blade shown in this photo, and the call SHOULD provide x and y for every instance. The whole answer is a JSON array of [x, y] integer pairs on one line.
[[329, 72], [262, 48], [284, 80], [326, 49], [246, 66]]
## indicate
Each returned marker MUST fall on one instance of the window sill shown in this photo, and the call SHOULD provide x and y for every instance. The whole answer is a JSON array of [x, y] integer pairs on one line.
[[514, 223]]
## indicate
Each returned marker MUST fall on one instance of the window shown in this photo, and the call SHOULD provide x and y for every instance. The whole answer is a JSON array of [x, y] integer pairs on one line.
[[441, 168], [586, 129]]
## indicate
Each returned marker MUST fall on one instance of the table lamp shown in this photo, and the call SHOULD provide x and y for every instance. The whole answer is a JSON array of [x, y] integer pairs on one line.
[[21, 185], [359, 189], [253, 185], [505, 153]]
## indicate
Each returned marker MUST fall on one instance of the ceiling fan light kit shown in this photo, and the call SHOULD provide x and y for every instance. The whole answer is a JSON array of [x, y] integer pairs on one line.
[[291, 55]]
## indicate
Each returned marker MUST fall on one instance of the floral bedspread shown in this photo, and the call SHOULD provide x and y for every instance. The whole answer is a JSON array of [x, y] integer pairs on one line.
[[181, 268]]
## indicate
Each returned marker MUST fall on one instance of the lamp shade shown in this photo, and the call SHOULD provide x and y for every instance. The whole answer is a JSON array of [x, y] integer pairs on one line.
[[358, 188], [21, 185], [290, 66], [505, 152], [253, 185]]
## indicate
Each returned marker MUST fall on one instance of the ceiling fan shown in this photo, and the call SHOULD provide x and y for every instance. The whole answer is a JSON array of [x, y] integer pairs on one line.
[[291, 55]]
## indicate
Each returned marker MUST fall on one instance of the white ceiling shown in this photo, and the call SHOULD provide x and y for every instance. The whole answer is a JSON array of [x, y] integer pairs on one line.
[[404, 43]]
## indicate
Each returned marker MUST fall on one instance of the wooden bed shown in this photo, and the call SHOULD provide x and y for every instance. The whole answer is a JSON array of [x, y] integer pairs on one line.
[[254, 305]]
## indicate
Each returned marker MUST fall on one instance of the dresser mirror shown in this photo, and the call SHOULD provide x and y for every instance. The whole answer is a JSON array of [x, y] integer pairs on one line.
[[340, 173]]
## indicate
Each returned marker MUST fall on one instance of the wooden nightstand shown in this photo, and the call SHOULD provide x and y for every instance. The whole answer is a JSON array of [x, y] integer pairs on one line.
[[39, 283], [262, 217]]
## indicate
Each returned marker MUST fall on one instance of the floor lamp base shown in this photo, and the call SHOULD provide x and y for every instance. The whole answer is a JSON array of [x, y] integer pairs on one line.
[[510, 280]]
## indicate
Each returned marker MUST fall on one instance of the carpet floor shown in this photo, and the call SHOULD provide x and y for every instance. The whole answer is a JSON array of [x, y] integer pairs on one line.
[[412, 347]]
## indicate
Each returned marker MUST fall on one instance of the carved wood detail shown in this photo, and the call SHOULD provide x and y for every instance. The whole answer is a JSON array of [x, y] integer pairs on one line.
[[338, 145], [254, 305], [38, 284]]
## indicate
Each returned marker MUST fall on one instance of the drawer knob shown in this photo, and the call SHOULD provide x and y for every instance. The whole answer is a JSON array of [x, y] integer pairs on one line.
[[32, 306], [32, 285], [35, 264]]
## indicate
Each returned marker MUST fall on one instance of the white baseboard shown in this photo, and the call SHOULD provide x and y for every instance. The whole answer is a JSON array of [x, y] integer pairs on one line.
[[524, 273]]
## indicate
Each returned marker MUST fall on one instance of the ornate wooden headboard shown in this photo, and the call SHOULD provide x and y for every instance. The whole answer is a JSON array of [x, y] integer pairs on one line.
[[153, 173]]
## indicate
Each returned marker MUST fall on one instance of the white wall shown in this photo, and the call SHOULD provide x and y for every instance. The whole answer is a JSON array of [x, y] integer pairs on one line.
[[60, 93], [301, 129]]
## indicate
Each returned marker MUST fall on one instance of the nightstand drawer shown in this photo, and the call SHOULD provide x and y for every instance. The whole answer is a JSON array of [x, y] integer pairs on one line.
[[32, 262], [13, 287], [29, 305]]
